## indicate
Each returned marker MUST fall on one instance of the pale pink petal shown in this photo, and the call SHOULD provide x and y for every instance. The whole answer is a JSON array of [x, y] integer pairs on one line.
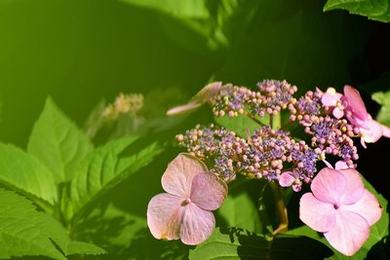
[[207, 191], [330, 97], [209, 91], [198, 225], [386, 131], [355, 102], [338, 113], [354, 188], [164, 216], [183, 108], [371, 131], [341, 165], [318, 215], [328, 185], [349, 233], [286, 179], [368, 207], [178, 176]]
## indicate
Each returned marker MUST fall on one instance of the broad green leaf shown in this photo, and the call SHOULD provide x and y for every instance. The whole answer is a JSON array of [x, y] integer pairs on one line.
[[383, 99], [58, 143], [26, 232], [26, 173], [104, 168], [179, 8], [239, 246], [239, 209], [202, 24], [241, 125], [374, 9], [378, 231]]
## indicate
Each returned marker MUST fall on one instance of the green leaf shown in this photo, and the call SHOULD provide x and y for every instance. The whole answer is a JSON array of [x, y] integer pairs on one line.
[[384, 100], [26, 232], [239, 210], [241, 125], [58, 143], [25, 173], [202, 24], [239, 246], [378, 231], [374, 9], [104, 168]]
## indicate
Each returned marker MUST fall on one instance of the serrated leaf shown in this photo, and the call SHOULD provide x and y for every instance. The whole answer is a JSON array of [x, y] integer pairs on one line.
[[104, 168], [374, 9], [26, 173], [383, 99], [26, 232], [58, 142], [240, 246], [377, 232]]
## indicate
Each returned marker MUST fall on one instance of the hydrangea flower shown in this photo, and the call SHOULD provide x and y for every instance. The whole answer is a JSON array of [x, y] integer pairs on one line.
[[341, 208], [185, 211], [331, 98], [357, 114]]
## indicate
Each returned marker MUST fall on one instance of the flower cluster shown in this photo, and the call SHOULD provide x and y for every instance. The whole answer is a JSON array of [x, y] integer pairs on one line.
[[124, 104], [265, 154], [339, 206], [272, 96], [329, 134]]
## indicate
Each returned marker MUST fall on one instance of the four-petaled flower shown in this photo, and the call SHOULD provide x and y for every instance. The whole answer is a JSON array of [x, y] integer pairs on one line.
[[357, 114], [341, 208], [185, 210]]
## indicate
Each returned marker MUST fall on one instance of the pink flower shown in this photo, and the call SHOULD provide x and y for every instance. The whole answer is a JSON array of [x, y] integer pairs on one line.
[[204, 95], [185, 210], [341, 208], [357, 114], [287, 179], [331, 98]]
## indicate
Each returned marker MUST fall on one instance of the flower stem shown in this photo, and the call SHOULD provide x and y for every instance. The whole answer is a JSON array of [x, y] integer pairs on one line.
[[281, 210]]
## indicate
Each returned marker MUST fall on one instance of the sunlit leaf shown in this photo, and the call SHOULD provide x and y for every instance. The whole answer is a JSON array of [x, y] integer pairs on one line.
[[26, 232], [104, 168], [26, 173], [383, 99], [58, 143], [374, 9]]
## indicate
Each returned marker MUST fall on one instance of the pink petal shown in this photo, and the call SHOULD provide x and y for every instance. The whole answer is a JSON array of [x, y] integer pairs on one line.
[[183, 108], [164, 216], [349, 233], [386, 131], [354, 188], [341, 165], [371, 131], [209, 91], [355, 102], [286, 179], [330, 97], [207, 191], [198, 225], [328, 185], [178, 176], [338, 113], [368, 207], [318, 215]]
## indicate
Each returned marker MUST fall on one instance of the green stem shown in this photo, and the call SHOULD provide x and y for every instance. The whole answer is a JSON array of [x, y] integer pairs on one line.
[[281, 210]]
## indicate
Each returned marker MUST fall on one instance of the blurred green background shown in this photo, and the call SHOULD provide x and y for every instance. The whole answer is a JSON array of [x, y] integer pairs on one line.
[[82, 51]]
